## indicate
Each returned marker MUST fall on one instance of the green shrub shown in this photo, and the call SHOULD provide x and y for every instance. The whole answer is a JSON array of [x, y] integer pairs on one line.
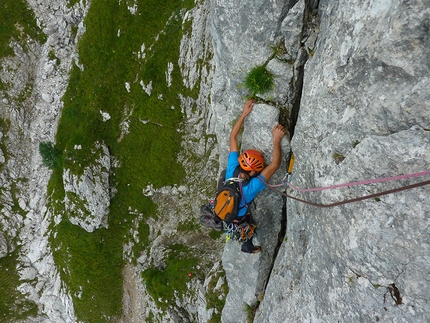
[[51, 155], [259, 80], [215, 234]]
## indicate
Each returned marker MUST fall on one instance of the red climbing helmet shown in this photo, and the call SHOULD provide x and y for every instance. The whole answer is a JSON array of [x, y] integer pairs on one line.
[[251, 159]]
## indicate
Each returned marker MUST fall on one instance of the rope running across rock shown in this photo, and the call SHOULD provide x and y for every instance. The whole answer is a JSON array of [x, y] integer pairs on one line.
[[381, 180], [357, 183]]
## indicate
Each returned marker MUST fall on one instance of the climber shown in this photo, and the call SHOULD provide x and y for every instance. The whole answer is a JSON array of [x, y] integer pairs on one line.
[[251, 167]]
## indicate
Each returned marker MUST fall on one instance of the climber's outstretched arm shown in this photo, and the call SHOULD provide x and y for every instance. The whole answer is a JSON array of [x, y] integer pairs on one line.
[[278, 133], [247, 108]]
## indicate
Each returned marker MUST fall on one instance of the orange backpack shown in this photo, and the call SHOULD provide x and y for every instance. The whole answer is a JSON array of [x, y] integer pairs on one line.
[[227, 200]]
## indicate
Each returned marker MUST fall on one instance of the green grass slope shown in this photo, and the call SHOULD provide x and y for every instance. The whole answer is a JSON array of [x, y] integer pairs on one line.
[[111, 54]]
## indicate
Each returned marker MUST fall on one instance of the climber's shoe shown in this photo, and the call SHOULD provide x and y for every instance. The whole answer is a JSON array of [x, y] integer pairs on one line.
[[256, 250]]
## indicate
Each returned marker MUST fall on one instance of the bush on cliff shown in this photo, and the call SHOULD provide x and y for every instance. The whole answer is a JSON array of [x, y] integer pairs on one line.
[[259, 80], [51, 155]]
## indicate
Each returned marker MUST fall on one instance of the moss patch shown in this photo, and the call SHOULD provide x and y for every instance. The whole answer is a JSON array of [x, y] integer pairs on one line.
[[13, 305]]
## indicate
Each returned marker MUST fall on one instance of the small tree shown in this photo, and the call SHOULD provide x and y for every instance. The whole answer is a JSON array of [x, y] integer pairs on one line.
[[51, 155], [259, 80]]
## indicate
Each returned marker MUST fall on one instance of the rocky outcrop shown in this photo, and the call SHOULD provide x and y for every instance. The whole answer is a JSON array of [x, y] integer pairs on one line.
[[3, 245], [88, 194], [180, 204], [360, 97], [36, 77], [247, 274]]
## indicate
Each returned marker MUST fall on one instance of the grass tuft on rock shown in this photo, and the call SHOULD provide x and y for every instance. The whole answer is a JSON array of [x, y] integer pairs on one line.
[[259, 80]]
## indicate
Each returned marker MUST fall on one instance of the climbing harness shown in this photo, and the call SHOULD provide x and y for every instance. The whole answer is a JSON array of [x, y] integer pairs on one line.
[[239, 232]]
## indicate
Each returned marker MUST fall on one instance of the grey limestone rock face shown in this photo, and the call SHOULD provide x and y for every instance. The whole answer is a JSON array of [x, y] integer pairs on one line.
[[3, 245], [30, 101], [243, 34], [364, 114]]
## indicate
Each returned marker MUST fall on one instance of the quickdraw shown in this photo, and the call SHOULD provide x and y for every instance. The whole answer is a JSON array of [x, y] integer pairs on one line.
[[239, 232]]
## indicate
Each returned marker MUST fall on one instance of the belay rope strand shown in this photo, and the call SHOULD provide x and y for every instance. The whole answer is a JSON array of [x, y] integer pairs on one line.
[[366, 197], [357, 183]]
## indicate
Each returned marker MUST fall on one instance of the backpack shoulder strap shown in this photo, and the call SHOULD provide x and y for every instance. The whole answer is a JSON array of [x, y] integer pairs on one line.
[[221, 179], [240, 184], [236, 171]]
